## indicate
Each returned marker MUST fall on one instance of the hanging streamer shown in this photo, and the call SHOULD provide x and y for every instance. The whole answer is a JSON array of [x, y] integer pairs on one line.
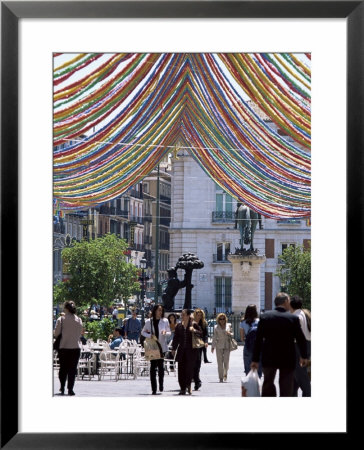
[[245, 118]]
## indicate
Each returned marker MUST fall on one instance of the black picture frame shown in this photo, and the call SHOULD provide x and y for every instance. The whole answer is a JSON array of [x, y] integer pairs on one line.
[[11, 12]]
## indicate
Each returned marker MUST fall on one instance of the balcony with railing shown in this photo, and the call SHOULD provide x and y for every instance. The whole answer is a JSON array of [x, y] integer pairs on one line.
[[288, 221], [166, 221], [220, 258], [123, 213], [59, 228], [137, 247], [223, 217], [165, 199], [136, 219], [136, 194]]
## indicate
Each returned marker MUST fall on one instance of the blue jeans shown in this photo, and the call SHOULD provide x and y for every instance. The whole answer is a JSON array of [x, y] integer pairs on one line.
[[248, 357]]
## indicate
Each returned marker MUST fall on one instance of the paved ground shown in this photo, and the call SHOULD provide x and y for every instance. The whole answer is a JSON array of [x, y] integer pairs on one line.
[[211, 387]]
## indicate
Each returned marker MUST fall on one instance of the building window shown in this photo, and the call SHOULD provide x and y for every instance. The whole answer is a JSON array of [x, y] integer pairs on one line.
[[126, 234], [163, 261], [224, 201], [269, 248], [284, 246], [306, 244], [222, 294], [222, 250], [268, 290], [146, 188]]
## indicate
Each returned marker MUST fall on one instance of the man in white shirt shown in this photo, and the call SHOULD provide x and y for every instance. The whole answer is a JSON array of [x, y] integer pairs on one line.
[[301, 377]]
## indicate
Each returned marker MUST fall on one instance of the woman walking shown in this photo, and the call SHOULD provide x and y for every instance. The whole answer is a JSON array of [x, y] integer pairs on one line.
[[157, 326], [199, 318], [248, 328], [186, 354], [70, 326], [172, 320], [221, 341]]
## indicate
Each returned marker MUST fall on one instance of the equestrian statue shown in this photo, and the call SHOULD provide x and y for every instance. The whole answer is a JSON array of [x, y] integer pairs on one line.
[[247, 220]]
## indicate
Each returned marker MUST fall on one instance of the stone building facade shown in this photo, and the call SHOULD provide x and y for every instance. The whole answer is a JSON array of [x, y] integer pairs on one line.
[[202, 222]]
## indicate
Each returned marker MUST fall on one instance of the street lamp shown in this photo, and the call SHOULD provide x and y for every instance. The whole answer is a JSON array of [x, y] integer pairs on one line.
[[143, 265]]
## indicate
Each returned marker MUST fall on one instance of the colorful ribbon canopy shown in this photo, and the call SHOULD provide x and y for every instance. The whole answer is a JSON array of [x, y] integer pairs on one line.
[[245, 118]]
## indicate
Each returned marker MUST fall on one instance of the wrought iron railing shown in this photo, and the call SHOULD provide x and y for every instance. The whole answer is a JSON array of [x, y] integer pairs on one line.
[[289, 221], [223, 216], [216, 258], [233, 319]]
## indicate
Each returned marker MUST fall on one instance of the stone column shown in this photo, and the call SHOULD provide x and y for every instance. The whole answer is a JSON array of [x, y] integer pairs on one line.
[[245, 281]]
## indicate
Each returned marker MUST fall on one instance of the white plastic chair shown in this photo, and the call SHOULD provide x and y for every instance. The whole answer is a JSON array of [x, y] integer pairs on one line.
[[55, 360], [86, 364], [109, 365], [141, 365], [170, 364]]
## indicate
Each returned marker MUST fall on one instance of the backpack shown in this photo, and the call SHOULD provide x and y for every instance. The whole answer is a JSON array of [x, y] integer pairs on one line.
[[250, 337], [308, 318]]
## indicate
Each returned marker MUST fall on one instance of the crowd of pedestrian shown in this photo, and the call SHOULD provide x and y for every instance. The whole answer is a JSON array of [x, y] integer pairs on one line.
[[281, 344], [278, 340]]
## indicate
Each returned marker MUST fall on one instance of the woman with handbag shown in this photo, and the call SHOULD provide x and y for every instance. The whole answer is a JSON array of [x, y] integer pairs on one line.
[[186, 353], [157, 327], [222, 342], [70, 327], [199, 318]]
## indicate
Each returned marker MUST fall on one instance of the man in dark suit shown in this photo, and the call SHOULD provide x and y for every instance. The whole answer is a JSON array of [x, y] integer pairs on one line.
[[278, 330]]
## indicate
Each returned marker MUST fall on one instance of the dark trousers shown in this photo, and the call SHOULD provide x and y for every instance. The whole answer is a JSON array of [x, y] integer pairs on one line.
[[204, 349], [286, 377], [68, 360], [156, 364], [301, 377], [186, 364], [197, 367], [248, 358]]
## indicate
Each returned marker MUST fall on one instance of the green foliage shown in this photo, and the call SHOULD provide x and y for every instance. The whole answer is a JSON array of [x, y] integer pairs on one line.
[[99, 272], [60, 292], [295, 273], [100, 329]]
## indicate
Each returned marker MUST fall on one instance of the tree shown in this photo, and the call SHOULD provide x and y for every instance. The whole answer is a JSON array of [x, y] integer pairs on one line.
[[295, 272], [99, 272], [60, 293], [99, 329]]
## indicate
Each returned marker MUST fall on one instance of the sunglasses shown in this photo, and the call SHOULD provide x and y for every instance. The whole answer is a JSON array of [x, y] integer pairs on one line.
[[222, 320]]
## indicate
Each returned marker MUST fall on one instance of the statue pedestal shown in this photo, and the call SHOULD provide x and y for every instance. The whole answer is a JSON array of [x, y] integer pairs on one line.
[[245, 281]]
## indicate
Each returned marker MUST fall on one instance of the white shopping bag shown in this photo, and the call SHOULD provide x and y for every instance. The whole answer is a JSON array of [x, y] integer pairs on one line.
[[250, 386]]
